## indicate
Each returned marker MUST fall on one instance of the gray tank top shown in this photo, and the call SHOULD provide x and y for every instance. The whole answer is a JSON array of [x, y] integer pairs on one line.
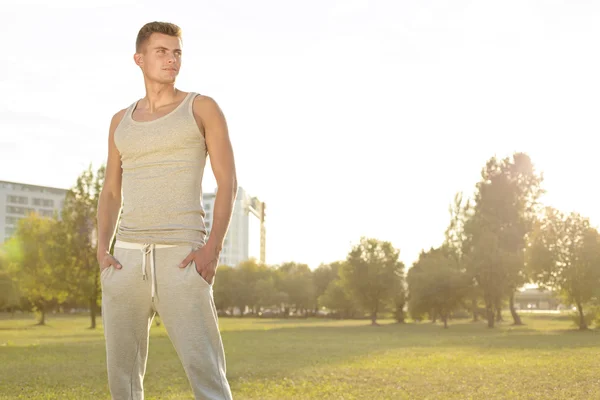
[[163, 163]]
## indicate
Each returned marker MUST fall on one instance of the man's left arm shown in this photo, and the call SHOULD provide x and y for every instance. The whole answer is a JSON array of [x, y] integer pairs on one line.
[[213, 125]]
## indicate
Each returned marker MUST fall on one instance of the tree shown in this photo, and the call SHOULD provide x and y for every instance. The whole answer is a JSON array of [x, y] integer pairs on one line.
[[337, 299], [9, 294], [296, 280], [267, 293], [36, 261], [455, 241], [497, 228], [399, 301], [224, 287], [79, 217], [323, 275], [247, 273], [436, 284], [371, 273], [564, 254]]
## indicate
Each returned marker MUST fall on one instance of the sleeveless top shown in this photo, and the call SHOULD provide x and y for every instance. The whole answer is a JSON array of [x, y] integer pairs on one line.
[[163, 163]]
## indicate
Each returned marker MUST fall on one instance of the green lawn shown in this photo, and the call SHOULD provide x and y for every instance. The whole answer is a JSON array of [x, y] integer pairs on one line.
[[320, 359]]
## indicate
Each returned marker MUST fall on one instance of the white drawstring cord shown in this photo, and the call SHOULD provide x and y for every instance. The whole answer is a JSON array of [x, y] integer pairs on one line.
[[149, 249]]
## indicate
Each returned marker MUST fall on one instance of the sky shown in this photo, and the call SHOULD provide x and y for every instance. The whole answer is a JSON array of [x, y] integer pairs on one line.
[[347, 118]]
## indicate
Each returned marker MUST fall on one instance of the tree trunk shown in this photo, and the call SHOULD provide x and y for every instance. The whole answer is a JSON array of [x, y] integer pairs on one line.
[[434, 316], [42, 310], [513, 312], [374, 316], [490, 314], [400, 314], [582, 324], [93, 312], [445, 319], [474, 309]]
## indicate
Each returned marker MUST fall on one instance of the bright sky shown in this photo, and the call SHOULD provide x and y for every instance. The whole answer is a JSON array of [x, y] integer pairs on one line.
[[348, 118]]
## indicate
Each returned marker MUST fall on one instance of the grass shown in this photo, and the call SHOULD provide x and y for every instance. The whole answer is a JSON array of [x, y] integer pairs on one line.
[[307, 359]]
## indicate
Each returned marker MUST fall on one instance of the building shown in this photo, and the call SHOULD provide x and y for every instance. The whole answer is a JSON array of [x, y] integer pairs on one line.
[[19, 199], [246, 235], [536, 299]]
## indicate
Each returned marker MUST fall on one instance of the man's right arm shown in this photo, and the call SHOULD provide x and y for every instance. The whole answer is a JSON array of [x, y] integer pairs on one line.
[[109, 202]]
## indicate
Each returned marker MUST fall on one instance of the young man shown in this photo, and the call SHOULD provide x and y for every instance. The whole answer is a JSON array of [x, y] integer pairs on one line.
[[162, 262]]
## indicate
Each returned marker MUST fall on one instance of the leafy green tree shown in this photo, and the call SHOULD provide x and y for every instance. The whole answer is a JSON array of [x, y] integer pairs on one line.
[[224, 287], [436, 284], [246, 275], [455, 242], [268, 294], [337, 299], [9, 293], [80, 223], [296, 280], [36, 261], [323, 275], [564, 255], [371, 274], [495, 233]]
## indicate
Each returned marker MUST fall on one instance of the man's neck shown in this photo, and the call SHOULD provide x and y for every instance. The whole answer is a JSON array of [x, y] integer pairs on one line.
[[159, 95]]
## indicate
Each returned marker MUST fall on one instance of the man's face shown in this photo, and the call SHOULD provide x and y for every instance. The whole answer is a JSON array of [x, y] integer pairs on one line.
[[160, 58]]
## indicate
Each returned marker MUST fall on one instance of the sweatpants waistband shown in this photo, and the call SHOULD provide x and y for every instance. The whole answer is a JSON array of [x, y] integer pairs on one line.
[[131, 245], [146, 249]]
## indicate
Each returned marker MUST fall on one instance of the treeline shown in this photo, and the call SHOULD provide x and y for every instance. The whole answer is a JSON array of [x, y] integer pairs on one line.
[[366, 284], [49, 264], [497, 240], [501, 239]]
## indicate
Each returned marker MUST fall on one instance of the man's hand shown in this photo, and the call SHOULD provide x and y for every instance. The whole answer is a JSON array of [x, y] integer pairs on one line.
[[105, 260], [206, 260]]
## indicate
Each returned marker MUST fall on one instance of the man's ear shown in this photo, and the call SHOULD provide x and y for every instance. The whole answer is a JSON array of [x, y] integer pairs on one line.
[[138, 58]]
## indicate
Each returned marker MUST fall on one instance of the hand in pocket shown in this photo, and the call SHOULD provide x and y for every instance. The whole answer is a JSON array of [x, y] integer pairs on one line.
[[106, 260]]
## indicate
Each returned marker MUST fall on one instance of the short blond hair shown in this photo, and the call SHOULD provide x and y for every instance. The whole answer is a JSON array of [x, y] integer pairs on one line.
[[147, 30]]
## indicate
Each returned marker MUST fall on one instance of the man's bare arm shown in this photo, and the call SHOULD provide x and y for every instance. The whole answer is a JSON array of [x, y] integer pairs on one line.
[[222, 162], [109, 202]]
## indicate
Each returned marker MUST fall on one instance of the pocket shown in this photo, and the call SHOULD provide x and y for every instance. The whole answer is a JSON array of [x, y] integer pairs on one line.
[[103, 272], [198, 276]]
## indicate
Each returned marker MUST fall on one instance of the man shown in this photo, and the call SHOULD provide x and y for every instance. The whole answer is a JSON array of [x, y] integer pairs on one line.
[[162, 262]]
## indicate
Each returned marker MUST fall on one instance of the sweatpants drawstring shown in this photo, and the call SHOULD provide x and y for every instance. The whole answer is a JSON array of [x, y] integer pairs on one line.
[[149, 249]]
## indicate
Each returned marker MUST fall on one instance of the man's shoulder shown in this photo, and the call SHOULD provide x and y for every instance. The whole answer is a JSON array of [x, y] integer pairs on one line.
[[202, 100], [117, 118], [204, 104]]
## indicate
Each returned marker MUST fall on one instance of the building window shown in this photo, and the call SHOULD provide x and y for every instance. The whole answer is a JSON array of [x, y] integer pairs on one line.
[[46, 213], [17, 199], [43, 202], [11, 220], [9, 231], [19, 210]]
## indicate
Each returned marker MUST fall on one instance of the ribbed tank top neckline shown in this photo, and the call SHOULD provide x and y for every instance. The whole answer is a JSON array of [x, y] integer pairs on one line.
[[132, 108]]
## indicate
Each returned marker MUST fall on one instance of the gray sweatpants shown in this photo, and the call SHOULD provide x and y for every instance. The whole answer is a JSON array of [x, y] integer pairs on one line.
[[149, 282]]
